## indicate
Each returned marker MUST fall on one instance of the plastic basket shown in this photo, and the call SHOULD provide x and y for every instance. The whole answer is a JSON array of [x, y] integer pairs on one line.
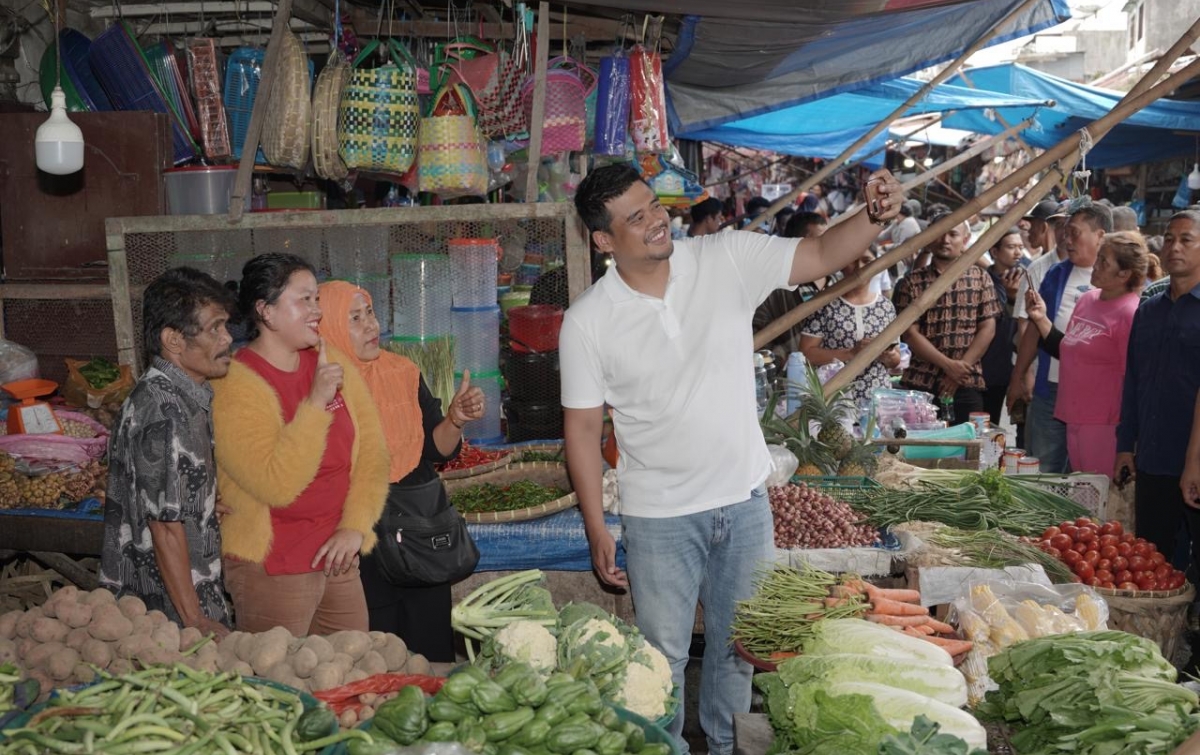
[[243, 71], [486, 430], [75, 49], [421, 294], [120, 66], [164, 64], [476, 338]]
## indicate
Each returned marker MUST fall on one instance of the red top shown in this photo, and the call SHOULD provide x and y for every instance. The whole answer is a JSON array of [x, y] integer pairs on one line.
[[300, 529]]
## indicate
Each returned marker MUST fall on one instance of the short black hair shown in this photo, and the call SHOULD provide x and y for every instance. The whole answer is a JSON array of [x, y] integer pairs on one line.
[[1098, 216], [755, 204], [702, 211], [1006, 234], [599, 188], [263, 279], [797, 225], [174, 300]]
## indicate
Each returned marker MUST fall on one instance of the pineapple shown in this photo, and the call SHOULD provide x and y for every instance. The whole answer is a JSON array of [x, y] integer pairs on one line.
[[829, 413], [860, 461], [814, 458]]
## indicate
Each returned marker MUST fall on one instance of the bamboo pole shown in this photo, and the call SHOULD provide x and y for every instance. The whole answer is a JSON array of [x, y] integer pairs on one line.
[[1130, 104], [835, 164], [948, 278], [941, 168], [538, 116], [258, 116]]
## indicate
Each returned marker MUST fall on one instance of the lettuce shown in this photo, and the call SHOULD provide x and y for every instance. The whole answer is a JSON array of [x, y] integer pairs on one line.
[[899, 708], [864, 638], [824, 723], [940, 682]]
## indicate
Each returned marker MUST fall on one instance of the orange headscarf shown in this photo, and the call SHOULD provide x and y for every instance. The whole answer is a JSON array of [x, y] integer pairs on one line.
[[393, 380]]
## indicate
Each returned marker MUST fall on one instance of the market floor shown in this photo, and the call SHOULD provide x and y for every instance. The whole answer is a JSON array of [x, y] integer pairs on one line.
[[692, 732]]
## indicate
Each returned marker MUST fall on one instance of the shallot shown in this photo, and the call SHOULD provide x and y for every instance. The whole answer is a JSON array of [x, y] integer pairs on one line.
[[807, 518]]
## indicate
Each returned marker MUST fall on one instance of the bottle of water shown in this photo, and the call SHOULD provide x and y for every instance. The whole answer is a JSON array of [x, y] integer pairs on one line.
[[797, 376], [762, 387]]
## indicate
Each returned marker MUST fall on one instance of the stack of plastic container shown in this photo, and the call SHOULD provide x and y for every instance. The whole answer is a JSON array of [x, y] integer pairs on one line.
[[359, 254], [475, 323], [422, 294]]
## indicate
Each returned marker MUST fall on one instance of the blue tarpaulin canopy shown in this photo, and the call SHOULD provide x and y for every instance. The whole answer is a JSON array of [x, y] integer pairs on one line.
[[1148, 135], [825, 127]]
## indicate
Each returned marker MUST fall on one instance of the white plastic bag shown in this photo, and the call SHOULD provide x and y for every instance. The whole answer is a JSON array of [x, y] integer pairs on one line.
[[783, 465], [16, 362]]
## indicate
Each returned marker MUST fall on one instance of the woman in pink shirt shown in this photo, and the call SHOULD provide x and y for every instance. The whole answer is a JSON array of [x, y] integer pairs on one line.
[[1092, 352]]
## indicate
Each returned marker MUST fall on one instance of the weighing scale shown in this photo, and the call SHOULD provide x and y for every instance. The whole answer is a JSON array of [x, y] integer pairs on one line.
[[31, 417]]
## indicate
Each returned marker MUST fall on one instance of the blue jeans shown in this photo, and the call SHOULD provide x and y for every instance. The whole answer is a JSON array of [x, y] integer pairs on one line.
[[1047, 436], [711, 556]]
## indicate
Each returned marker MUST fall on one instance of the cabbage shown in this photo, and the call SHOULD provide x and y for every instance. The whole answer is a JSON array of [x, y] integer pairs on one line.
[[827, 724], [943, 683], [899, 708], [864, 638]]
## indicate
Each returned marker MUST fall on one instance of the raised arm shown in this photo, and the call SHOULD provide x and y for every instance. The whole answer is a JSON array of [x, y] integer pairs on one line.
[[839, 246]]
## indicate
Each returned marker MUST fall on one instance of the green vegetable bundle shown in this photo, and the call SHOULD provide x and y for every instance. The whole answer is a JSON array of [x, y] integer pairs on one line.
[[489, 496], [970, 501], [15, 694], [99, 372], [787, 604], [1091, 693], [177, 709], [514, 712]]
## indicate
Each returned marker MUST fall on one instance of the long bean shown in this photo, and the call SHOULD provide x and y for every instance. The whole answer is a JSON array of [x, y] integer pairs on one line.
[[784, 608]]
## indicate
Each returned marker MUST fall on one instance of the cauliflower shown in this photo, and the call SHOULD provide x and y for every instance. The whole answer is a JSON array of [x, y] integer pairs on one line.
[[530, 642], [642, 692], [595, 649], [604, 632]]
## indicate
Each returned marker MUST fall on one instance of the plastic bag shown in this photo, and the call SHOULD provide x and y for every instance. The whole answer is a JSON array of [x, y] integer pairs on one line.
[[612, 105], [648, 103], [59, 450], [347, 696], [16, 362], [783, 465], [77, 391], [996, 614]]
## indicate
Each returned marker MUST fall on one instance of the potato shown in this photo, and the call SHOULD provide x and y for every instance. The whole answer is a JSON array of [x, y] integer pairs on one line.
[[343, 662], [109, 624], [153, 654], [348, 719], [246, 646], [326, 676], [355, 675], [83, 674], [131, 606], [378, 639], [25, 646], [77, 637], [44, 681], [8, 650], [68, 593], [167, 635], [242, 668], [97, 652], [304, 661], [46, 629], [142, 624], [75, 614], [61, 665], [281, 672], [368, 698], [417, 664], [294, 645], [366, 713], [127, 647], [353, 644], [395, 653], [321, 646], [8, 624], [25, 621], [41, 653], [270, 647], [158, 617], [207, 665], [99, 597], [188, 637], [372, 663], [120, 667], [208, 650]]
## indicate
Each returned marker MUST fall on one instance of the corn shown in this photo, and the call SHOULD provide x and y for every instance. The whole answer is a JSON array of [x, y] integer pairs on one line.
[[1087, 610]]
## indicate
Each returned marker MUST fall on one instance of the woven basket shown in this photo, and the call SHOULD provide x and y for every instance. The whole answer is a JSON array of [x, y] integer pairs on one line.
[[289, 113], [452, 156], [475, 471], [379, 116], [564, 127], [543, 473], [1159, 616], [327, 97]]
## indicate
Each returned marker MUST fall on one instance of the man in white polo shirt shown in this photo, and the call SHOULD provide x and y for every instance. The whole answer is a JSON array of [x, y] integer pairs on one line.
[[665, 340]]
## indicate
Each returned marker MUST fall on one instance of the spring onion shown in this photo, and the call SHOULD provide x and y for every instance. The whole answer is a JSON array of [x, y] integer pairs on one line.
[[787, 603], [993, 549]]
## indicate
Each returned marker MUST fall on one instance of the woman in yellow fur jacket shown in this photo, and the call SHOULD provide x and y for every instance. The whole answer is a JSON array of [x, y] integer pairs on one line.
[[302, 463]]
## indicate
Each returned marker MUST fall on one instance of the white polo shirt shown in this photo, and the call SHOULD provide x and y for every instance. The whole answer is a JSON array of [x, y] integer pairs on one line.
[[678, 372]]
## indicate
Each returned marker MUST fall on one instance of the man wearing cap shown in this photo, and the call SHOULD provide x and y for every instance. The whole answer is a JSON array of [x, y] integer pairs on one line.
[[1041, 226], [1061, 289], [706, 217]]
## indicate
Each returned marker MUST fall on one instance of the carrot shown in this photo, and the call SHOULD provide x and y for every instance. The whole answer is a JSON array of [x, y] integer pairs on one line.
[[874, 593], [896, 608], [953, 647], [844, 591], [783, 655], [941, 627], [835, 602], [925, 629], [898, 621]]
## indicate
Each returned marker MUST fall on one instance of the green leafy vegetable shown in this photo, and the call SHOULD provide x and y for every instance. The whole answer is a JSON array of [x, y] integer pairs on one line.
[[489, 496], [924, 739], [99, 372], [936, 680]]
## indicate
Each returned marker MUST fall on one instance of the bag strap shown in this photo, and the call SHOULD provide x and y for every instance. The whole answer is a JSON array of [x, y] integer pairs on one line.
[[465, 98], [401, 55], [365, 52], [587, 77]]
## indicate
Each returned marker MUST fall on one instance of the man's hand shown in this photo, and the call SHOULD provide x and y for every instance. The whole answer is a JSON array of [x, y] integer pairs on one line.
[[891, 195], [222, 509], [1011, 281], [1189, 483], [604, 559], [948, 387], [1035, 307], [1124, 470], [340, 552], [207, 626], [1018, 390], [957, 371]]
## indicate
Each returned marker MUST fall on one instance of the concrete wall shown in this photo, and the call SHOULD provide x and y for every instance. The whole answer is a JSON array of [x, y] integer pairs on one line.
[[1167, 19]]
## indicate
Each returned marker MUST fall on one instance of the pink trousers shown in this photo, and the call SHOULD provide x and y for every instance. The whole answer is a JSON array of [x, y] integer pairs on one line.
[[1092, 448]]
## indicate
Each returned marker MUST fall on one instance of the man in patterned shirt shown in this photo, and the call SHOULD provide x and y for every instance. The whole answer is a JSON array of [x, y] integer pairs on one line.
[[161, 540], [951, 337]]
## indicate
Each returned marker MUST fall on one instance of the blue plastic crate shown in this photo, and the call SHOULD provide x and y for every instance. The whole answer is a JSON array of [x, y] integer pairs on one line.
[[75, 48], [243, 71]]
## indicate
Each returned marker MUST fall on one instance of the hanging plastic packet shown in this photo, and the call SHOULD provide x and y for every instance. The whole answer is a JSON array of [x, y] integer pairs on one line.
[[648, 108]]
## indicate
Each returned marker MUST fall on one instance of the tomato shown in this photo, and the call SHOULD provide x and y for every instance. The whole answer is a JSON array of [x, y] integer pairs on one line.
[[1127, 585], [1105, 564], [1138, 563], [1050, 532], [1117, 529], [1147, 583], [1127, 537], [1157, 558], [1141, 549], [1085, 535], [1092, 557], [1124, 575], [1125, 549], [1178, 579], [1120, 563], [1065, 523], [1108, 551], [1071, 557], [1060, 541], [1055, 552], [1107, 585], [1070, 531], [1162, 571], [1083, 521], [1104, 575], [1093, 582], [1110, 528], [1084, 570], [1107, 540]]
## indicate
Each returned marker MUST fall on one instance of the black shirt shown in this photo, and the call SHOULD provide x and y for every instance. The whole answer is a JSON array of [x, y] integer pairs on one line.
[[431, 417]]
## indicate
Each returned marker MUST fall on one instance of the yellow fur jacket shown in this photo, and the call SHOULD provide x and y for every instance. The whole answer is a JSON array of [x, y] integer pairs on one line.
[[263, 463]]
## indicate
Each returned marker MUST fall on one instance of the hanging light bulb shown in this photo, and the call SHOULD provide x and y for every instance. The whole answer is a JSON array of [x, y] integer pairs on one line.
[[909, 162], [928, 162], [58, 144], [1194, 177]]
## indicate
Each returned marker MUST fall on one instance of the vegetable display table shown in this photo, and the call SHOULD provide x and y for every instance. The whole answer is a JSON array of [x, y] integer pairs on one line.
[[556, 543]]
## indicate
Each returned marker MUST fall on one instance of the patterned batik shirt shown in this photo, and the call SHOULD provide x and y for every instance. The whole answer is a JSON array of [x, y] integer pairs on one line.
[[841, 325], [161, 468], [950, 324]]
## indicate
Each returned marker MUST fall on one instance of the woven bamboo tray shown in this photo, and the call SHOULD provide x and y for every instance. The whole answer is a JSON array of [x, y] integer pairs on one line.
[[541, 472], [478, 469], [1160, 615]]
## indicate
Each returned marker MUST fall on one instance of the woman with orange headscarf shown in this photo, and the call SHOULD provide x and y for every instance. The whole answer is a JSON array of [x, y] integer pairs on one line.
[[418, 436]]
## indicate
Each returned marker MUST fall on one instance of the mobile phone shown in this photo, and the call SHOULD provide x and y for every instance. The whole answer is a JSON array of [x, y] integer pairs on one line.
[[872, 197]]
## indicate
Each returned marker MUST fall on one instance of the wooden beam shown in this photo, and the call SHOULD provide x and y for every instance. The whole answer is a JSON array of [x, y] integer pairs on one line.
[[538, 114], [366, 24]]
